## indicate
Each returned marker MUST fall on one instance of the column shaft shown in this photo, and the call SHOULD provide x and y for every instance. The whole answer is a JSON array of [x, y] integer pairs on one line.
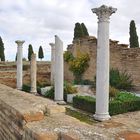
[[33, 73], [59, 77], [102, 70], [19, 64]]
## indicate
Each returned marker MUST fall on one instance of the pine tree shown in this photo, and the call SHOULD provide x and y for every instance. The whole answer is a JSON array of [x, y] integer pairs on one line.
[[40, 53], [2, 55], [85, 31], [133, 35], [30, 52], [78, 32]]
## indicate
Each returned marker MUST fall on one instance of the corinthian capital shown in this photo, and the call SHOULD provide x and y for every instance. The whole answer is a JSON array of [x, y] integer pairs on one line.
[[104, 12]]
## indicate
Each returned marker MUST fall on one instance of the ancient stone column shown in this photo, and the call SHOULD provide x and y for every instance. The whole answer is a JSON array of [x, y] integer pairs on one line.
[[33, 74], [52, 62], [59, 72], [19, 64], [102, 70]]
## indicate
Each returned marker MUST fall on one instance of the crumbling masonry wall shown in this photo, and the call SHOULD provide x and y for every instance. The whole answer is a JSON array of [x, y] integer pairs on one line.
[[121, 57]]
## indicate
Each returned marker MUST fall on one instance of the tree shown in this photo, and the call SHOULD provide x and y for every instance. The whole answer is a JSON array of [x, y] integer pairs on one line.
[[40, 53], [85, 31], [16, 57], [78, 32], [133, 35], [2, 55], [30, 52]]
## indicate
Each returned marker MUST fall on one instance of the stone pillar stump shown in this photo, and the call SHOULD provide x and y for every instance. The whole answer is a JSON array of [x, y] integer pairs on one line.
[[33, 71], [52, 62]]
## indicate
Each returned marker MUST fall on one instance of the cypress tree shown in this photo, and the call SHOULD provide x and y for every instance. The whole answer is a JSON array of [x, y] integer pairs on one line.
[[133, 35], [30, 52], [85, 31], [2, 55], [40, 53], [78, 32], [16, 57]]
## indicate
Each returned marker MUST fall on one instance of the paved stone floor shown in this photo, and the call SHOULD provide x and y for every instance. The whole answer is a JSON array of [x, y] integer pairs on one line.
[[120, 127]]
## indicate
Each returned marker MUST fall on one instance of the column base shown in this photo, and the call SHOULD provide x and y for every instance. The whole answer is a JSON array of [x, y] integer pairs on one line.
[[61, 102], [19, 88], [34, 92], [101, 117]]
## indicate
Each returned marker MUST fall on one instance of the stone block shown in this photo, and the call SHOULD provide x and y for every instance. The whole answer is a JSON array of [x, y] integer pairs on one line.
[[55, 109]]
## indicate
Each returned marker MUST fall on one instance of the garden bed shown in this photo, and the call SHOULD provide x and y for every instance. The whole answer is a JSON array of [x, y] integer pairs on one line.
[[122, 103]]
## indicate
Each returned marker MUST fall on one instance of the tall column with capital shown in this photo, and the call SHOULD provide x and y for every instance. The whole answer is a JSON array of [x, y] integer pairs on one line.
[[52, 62], [102, 70], [19, 64], [59, 71], [33, 74]]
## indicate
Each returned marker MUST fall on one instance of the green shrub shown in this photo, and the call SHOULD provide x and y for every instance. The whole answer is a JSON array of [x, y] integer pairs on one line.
[[27, 88], [85, 103], [68, 56], [83, 82], [50, 93], [79, 65], [112, 92], [120, 80], [69, 89], [124, 102]]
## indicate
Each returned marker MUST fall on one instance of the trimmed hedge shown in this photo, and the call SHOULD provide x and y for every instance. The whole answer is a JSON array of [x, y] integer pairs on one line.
[[27, 88], [116, 106]]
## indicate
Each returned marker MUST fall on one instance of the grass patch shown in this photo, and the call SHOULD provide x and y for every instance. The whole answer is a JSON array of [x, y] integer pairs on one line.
[[80, 116]]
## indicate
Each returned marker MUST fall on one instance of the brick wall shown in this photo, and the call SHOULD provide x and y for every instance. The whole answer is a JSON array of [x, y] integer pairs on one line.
[[121, 57]]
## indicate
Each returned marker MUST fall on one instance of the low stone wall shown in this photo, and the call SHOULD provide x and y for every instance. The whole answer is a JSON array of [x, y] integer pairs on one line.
[[8, 73], [17, 109]]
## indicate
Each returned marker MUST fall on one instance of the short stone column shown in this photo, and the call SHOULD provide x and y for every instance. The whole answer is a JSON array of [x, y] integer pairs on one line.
[[52, 62], [102, 70], [59, 72], [19, 64], [33, 70]]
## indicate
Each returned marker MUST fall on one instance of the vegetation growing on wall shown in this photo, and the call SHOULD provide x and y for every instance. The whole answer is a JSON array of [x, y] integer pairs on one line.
[[77, 65]]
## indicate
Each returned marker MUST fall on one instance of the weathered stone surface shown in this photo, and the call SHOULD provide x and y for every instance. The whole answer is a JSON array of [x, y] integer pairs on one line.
[[21, 117], [128, 135], [121, 57], [8, 73]]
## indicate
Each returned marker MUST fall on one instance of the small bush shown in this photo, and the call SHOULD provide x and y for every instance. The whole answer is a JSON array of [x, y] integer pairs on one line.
[[113, 92], [50, 93], [120, 80], [27, 88], [68, 56], [69, 89], [83, 82]]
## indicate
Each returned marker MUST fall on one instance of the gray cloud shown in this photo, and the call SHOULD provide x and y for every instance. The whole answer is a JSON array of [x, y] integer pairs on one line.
[[37, 21]]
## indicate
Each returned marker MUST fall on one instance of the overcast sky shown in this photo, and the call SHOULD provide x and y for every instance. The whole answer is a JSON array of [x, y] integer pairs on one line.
[[37, 21]]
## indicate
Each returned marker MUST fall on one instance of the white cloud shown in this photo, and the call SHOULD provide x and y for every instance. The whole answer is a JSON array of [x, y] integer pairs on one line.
[[37, 21]]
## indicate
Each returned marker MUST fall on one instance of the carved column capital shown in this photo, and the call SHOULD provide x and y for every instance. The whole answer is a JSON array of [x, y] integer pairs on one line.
[[104, 12]]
